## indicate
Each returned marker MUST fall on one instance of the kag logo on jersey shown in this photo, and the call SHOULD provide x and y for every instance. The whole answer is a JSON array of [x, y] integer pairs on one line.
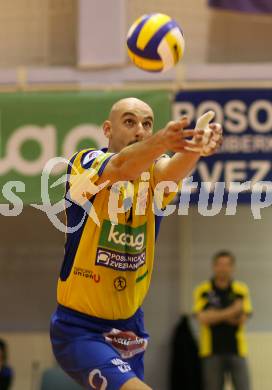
[[121, 247], [121, 238]]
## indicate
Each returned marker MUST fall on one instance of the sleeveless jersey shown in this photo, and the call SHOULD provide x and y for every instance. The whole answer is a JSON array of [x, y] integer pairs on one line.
[[108, 262]]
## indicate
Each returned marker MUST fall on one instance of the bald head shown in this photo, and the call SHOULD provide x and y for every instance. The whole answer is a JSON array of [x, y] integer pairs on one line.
[[130, 120], [130, 105]]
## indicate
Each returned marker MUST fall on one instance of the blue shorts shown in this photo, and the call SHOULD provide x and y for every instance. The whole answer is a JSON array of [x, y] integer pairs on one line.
[[98, 354]]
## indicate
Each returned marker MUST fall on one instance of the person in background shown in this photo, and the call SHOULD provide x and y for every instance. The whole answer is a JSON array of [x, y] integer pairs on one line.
[[6, 373], [222, 306]]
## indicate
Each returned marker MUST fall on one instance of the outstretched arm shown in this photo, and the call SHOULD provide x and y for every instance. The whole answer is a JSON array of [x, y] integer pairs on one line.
[[131, 161], [181, 164]]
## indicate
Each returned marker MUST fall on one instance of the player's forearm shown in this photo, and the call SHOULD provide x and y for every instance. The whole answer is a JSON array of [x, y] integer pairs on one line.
[[178, 167], [213, 316], [131, 161]]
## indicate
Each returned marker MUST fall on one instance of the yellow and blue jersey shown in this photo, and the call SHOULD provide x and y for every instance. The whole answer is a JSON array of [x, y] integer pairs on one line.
[[221, 338], [107, 267]]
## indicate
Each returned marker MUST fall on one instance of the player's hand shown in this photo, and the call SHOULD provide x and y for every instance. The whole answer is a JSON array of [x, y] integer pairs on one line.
[[175, 137], [215, 140], [212, 138], [207, 145]]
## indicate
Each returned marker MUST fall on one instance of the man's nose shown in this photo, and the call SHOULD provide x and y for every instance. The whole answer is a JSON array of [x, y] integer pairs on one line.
[[140, 131]]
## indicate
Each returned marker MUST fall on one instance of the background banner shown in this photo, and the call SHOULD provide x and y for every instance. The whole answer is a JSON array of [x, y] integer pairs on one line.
[[257, 6], [35, 127], [246, 115]]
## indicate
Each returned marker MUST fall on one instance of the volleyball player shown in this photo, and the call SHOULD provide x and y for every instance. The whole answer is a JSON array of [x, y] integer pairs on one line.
[[97, 331]]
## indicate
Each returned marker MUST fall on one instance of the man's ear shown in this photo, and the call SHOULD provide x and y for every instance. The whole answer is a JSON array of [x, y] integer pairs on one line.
[[107, 128]]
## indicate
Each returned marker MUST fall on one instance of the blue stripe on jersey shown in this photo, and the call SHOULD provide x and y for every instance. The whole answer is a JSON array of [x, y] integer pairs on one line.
[[69, 169], [132, 42], [75, 214], [158, 219], [103, 166]]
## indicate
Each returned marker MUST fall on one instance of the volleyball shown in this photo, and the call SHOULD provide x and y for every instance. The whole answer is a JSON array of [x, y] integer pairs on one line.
[[155, 42]]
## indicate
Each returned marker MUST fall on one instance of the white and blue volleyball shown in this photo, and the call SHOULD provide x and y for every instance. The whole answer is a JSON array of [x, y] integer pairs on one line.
[[155, 42]]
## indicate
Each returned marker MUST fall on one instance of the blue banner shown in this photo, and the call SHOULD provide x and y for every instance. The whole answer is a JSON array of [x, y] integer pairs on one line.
[[246, 154], [254, 6]]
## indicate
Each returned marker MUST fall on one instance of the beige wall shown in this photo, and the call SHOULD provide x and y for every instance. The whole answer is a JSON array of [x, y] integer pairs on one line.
[[43, 32], [213, 36], [29, 355], [37, 32]]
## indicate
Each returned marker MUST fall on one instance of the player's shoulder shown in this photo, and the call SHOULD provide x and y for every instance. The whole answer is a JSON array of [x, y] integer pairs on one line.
[[203, 287], [86, 157], [80, 153], [239, 287]]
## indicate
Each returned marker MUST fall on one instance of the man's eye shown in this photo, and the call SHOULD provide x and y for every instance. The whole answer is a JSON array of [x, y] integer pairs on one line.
[[129, 122], [147, 125]]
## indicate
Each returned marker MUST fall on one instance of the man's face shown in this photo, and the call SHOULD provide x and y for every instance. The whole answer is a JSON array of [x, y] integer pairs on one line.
[[131, 120], [223, 268]]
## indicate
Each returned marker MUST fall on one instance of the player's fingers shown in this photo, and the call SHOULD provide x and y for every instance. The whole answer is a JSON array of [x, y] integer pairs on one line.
[[194, 149], [198, 139], [199, 131], [216, 133], [194, 146], [218, 144], [188, 133], [216, 127], [184, 121], [217, 138], [179, 124], [174, 126], [179, 145], [213, 143]]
